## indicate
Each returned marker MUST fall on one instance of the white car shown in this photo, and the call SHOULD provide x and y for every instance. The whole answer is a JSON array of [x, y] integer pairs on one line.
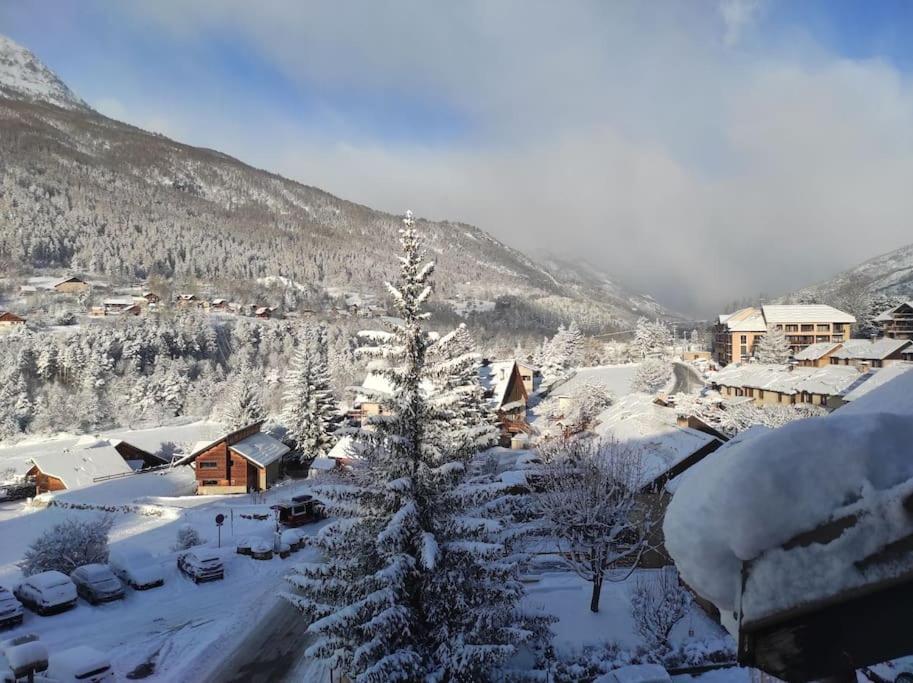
[[10, 609], [96, 583], [47, 592], [201, 565], [81, 664], [137, 568]]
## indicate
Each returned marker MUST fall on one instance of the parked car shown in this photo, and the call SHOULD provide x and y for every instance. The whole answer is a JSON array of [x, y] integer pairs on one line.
[[47, 592], [22, 657], [201, 565], [137, 568], [96, 583], [80, 664], [10, 609]]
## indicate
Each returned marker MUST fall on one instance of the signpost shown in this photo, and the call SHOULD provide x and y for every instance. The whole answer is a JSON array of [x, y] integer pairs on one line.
[[220, 519]]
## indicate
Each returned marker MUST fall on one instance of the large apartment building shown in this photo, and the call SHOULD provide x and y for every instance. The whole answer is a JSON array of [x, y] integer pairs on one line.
[[736, 334]]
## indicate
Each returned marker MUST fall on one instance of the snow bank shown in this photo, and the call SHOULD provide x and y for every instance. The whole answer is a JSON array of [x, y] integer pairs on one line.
[[755, 495]]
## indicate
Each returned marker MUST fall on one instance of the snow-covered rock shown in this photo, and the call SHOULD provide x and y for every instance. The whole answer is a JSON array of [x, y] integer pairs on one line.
[[23, 76]]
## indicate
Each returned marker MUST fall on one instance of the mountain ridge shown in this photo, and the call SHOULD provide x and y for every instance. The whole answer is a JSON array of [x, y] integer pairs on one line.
[[87, 192]]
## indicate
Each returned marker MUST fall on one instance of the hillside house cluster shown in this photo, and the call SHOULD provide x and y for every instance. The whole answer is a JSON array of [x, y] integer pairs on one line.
[[243, 461], [736, 335], [224, 305]]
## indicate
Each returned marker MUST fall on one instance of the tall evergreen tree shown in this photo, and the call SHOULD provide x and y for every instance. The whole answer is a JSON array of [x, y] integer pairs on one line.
[[421, 579], [241, 406], [773, 347], [310, 412]]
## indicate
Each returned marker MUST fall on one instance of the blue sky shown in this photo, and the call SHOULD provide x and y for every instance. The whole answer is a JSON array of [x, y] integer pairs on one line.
[[657, 140]]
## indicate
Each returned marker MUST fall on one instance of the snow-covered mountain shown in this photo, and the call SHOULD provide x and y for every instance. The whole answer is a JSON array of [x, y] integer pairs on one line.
[[890, 274], [84, 192], [23, 76]]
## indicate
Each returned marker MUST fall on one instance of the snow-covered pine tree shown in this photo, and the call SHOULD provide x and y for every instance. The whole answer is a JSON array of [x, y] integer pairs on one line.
[[310, 412], [573, 345], [421, 579], [467, 425], [241, 406], [773, 347]]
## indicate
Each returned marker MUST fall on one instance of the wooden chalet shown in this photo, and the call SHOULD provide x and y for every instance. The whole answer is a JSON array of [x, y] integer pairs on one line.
[[187, 300], [508, 385], [71, 285], [897, 322], [151, 297], [243, 461], [8, 319], [77, 468]]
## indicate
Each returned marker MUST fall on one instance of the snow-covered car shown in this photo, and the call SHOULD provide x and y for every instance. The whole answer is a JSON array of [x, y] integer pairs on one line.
[[96, 583], [636, 673], [137, 568], [201, 565], [10, 609], [21, 657], [81, 664], [47, 592]]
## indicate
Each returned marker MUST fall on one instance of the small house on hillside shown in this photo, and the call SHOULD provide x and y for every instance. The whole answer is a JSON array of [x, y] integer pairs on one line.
[[187, 300], [117, 305], [151, 297], [897, 322], [71, 285], [243, 461], [508, 386], [77, 468], [10, 320], [817, 355]]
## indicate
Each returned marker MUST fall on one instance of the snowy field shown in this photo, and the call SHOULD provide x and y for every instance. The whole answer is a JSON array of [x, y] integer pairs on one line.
[[170, 628], [617, 378]]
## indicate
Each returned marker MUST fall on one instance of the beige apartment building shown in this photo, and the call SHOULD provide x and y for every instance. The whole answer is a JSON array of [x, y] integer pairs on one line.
[[736, 334]]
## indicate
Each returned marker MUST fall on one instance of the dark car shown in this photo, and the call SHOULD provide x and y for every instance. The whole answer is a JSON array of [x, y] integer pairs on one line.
[[201, 565], [96, 583]]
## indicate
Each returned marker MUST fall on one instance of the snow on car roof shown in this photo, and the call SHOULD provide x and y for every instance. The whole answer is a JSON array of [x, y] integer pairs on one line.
[[48, 579], [78, 659], [78, 468], [95, 570], [635, 418], [261, 449]]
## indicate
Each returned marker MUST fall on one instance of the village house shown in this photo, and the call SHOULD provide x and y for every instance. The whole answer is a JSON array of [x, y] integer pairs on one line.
[[71, 285], [88, 462], [897, 322], [187, 301], [243, 461], [508, 386], [116, 306], [786, 384], [817, 355], [10, 321], [736, 335], [873, 353], [219, 304], [151, 297]]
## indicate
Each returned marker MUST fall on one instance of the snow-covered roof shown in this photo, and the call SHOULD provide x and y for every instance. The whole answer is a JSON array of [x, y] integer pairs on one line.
[[80, 466], [118, 301], [868, 349], [888, 315], [345, 448], [804, 313], [64, 280], [635, 418], [377, 383], [261, 449], [746, 504], [816, 351], [744, 320], [829, 380], [495, 377], [889, 390], [616, 378], [323, 464]]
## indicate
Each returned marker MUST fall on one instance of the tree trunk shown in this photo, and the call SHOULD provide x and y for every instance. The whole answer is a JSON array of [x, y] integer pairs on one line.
[[597, 590]]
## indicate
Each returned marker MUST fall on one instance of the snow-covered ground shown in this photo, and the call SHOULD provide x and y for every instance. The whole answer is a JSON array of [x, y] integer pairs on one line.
[[175, 627]]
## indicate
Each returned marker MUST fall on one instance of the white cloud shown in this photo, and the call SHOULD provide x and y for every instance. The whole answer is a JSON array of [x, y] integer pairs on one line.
[[626, 134], [737, 16]]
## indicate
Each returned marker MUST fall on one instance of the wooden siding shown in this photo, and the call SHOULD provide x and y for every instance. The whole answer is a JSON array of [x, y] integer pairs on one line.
[[44, 482]]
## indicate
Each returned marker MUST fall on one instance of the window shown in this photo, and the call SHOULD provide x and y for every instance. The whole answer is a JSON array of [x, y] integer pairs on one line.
[[209, 482], [808, 328], [208, 464], [744, 339], [792, 328], [760, 393], [823, 327]]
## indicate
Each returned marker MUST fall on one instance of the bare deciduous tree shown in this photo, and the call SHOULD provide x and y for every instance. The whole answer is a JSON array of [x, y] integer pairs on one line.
[[658, 603], [590, 501]]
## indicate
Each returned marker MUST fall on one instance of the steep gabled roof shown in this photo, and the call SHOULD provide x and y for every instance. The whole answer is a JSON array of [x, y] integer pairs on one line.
[[888, 315], [261, 449], [202, 446]]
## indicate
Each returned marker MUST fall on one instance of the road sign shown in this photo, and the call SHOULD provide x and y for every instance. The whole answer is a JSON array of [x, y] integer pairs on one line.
[[220, 518]]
